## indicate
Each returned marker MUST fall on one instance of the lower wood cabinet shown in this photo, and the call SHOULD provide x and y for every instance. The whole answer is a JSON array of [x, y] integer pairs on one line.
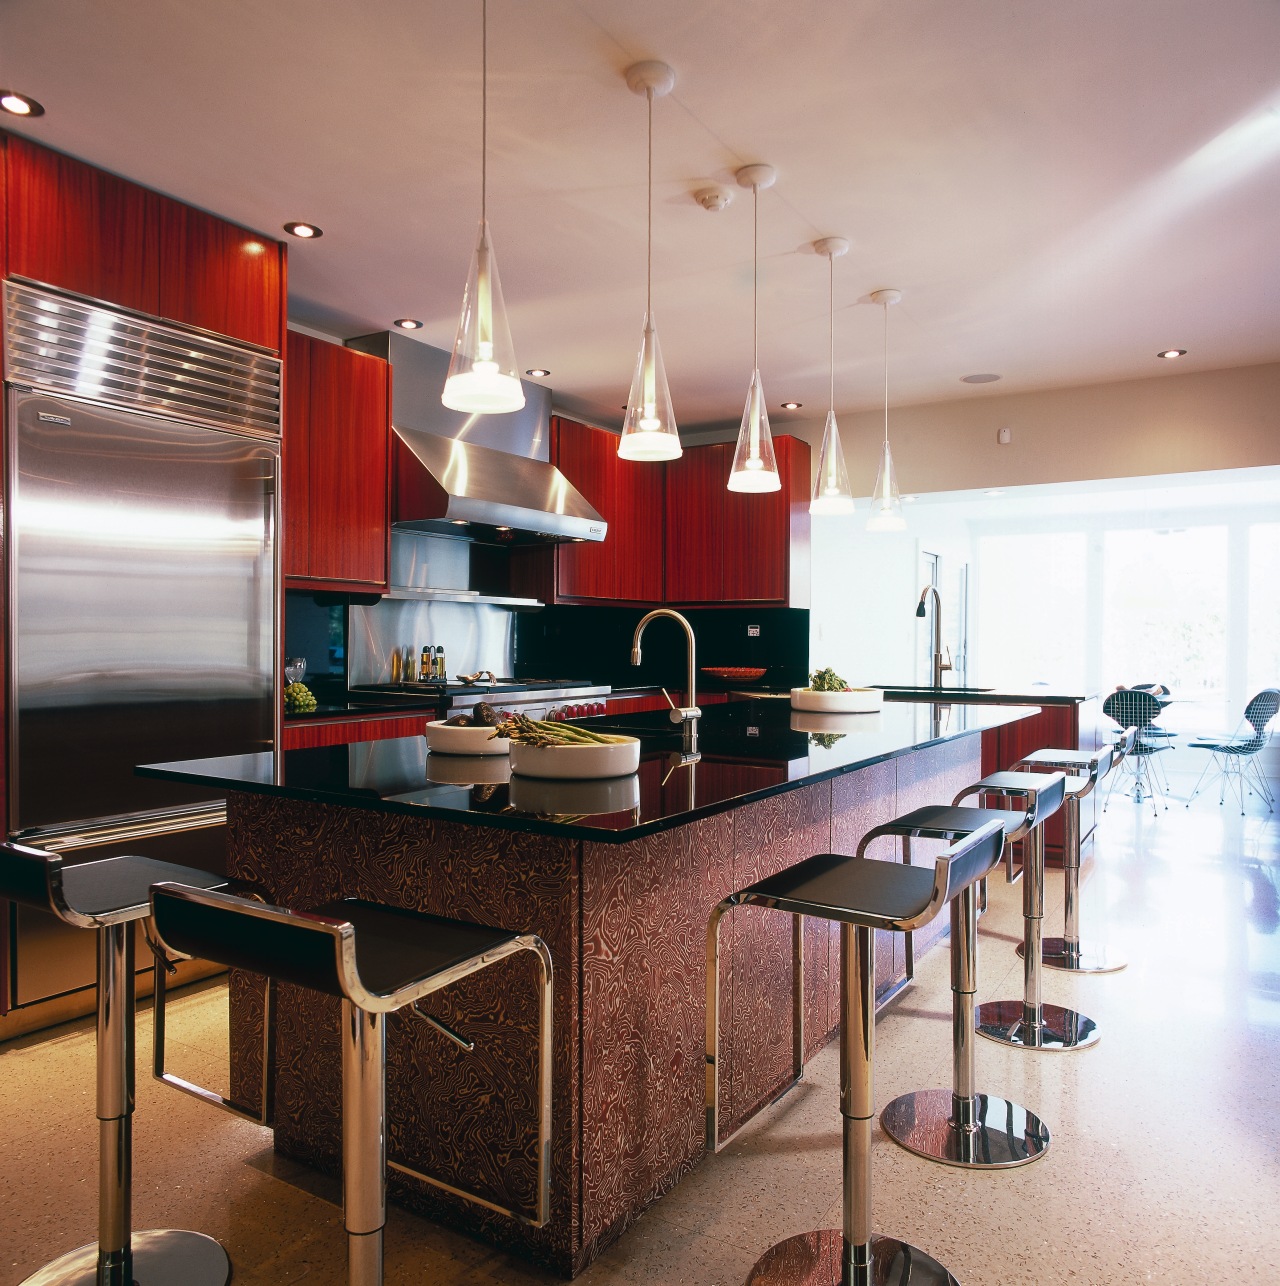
[[336, 500]]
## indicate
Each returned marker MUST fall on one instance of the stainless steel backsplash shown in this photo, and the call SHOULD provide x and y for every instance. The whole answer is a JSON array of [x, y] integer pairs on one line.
[[476, 636]]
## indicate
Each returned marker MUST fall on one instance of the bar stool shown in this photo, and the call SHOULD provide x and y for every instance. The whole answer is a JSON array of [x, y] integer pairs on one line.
[[376, 959], [108, 896], [1030, 1023], [863, 896], [959, 1126], [1087, 769]]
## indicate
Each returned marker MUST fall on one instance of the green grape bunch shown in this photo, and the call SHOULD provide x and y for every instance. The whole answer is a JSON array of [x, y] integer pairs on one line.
[[298, 699]]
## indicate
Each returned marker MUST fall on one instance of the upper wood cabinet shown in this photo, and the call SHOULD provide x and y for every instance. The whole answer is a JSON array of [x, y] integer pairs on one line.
[[336, 467], [733, 547], [74, 226], [626, 567], [77, 227]]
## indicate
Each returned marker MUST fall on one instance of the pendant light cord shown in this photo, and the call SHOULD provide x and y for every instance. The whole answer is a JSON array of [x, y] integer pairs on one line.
[[886, 374], [831, 330], [755, 273], [484, 109], [648, 298]]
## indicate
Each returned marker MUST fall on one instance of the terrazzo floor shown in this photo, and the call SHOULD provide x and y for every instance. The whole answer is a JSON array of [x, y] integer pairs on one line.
[[1164, 1165]]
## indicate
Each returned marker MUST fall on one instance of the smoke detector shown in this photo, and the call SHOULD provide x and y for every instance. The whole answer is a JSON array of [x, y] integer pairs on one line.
[[713, 198]]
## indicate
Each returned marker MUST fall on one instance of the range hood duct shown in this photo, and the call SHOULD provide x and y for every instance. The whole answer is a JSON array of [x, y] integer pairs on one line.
[[451, 487], [478, 477]]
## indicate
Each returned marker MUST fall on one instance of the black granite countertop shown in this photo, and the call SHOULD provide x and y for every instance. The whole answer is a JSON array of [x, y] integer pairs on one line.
[[750, 750], [984, 696]]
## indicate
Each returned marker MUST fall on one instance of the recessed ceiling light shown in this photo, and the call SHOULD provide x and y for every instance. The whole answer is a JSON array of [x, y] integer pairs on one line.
[[307, 231], [792, 406], [986, 377], [1173, 352], [995, 491], [910, 499], [17, 104], [407, 323], [458, 522], [538, 373], [502, 529]]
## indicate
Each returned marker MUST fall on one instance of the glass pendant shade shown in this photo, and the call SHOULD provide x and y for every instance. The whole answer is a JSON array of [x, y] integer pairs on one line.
[[754, 465], [831, 491], [649, 432], [886, 504], [483, 376]]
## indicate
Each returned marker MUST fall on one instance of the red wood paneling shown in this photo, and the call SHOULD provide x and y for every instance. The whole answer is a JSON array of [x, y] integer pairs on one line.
[[300, 736], [295, 497], [583, 455], [695, 492], [638, 500], [756, 534], [218, 276], [77, 227]]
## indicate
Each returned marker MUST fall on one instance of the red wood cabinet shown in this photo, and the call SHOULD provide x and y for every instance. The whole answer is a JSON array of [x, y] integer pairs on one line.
[[340, 732], [694, 519], [626, 567], [336, 458], [729, 547], [77, 227], [74, 226], [220, 277]]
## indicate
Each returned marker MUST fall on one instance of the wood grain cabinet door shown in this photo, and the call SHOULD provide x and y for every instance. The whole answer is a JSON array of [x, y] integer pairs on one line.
[[588, 569], [347, 447], [295, 497], [695, 507], [219, 276], [82, 229]]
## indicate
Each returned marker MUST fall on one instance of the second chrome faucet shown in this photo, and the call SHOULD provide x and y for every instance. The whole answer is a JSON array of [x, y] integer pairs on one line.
[[687, 715]]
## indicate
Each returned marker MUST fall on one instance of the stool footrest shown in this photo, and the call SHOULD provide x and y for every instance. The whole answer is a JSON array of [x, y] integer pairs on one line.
[[818, 1259], [1003, 1134]]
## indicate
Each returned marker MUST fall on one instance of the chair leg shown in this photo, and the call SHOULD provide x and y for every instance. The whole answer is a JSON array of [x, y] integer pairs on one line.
[[364, 1141]]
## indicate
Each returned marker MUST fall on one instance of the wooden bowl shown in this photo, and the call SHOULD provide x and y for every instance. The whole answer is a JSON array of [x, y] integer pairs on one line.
[[735, 673]]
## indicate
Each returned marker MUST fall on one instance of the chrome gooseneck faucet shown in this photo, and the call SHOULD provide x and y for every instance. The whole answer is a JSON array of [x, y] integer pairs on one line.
[[688, 715], [939, 664]]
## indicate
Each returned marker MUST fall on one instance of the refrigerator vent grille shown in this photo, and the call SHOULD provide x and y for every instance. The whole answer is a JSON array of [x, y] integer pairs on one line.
[[65, 345]]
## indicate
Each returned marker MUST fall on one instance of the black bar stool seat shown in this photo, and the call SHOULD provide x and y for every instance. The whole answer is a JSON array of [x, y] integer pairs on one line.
[[862, 896], [107, 896], [377, 959]]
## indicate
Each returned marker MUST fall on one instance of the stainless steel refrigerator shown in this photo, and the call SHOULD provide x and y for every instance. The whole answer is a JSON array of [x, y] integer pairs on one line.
[[140, 539]]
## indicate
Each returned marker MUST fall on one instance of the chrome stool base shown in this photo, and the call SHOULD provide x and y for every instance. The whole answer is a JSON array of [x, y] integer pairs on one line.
[[161, 1257], [818, 1259], [1083, 957], [1003, 1134], [1058, 1030]]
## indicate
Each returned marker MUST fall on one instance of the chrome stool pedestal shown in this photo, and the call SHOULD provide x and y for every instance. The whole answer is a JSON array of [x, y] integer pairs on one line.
[[376, 960], [1030, 1023], [1088, 768], [862, 896], [108, 896]]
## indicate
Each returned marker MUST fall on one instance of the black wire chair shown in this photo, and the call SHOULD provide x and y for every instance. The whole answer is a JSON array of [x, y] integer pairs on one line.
[[1138, 708], [1236, 756]]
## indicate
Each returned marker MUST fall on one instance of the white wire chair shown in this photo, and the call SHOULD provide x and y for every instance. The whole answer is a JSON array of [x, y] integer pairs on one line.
[[1237, 756]]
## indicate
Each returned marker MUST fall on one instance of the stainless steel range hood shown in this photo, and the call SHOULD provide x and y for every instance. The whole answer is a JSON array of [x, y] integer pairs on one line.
[[483, 477]]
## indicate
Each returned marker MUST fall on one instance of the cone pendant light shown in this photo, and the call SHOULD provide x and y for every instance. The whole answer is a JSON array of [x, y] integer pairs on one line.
[[886, 504], [831, 491], [649, 431], [754, 466], [483, 377]]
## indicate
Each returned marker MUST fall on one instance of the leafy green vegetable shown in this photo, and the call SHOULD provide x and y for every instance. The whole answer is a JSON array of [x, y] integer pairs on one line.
[[827, 681], [825, 739]]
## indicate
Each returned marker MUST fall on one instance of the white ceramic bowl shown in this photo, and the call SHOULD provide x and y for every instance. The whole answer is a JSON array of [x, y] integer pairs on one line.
[[821, 721], [472, 740], [608, 759], [468, 770], [855, 701], [607, 795]]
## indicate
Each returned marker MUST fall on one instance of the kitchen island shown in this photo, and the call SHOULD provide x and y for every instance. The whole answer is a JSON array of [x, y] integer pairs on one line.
[[619, 878]]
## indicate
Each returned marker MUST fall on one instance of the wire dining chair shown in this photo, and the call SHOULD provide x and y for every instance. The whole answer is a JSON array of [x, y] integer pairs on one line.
[[1237, 756], [1138, 708]]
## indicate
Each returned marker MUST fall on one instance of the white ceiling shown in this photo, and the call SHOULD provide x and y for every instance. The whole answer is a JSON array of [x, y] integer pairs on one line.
[[1059, 189]]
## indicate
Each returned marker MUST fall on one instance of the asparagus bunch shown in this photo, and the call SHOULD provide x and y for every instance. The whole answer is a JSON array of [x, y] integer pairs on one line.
[[544, 732]]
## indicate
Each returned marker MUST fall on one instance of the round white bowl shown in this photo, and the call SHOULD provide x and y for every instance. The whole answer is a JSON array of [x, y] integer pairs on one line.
[[607, 795], [855, 701], [468, 770], [822, 721], [608, 759], [473, 740]]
